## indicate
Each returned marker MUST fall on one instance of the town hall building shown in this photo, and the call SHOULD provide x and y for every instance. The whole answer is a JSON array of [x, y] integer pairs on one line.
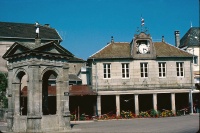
[[141, 75]]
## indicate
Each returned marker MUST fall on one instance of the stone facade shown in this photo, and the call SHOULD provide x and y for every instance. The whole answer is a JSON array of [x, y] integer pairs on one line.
[[108, 75], [134, 81], [37, 67]]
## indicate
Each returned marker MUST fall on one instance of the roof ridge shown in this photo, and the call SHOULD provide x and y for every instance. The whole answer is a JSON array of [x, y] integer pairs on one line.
[[100, 49]]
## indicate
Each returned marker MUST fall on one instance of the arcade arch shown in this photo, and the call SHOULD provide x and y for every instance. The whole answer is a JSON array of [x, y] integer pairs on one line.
[[49, 99]]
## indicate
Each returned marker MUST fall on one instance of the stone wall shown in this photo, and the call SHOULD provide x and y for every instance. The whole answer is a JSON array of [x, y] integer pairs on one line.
[[3, 114], [135, 78], [4, 47]]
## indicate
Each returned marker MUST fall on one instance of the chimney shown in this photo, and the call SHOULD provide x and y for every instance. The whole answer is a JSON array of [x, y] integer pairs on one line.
[[177, 38], [47, 25], [37, 41], [163, 39], [112, 39]]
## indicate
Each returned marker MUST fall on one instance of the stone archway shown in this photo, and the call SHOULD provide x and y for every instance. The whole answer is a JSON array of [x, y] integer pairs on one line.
[[38, 63], [49, 105], [20, 78]]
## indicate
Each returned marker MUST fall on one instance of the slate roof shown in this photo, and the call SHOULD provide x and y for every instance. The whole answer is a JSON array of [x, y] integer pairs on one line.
[[191, 38], [123, 50], [24, 30], [73, 77]]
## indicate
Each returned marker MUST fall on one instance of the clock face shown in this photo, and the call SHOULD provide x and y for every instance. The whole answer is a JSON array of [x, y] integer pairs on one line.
[[143, 48]]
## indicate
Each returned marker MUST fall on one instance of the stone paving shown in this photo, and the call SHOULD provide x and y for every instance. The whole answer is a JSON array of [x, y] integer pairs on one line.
[[180, 124]]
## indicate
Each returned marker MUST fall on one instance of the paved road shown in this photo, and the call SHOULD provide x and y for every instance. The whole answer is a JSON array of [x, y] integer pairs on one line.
[[181, 124]]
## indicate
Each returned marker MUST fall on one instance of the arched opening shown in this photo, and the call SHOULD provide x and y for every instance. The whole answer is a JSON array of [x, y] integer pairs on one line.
[[22, 80], [49, 105]]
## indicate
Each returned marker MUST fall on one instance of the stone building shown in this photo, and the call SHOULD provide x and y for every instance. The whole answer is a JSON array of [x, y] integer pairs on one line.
[[38, 61], [190, 43], [24, 32], [40, 71], [141, 75]]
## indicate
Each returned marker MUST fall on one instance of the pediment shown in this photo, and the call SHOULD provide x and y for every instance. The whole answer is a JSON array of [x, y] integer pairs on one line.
[[16, 49], [50, 48], [142, 35], [53, 48]]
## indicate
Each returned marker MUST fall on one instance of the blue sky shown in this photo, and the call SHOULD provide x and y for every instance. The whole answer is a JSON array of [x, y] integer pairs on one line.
[[86, 26]]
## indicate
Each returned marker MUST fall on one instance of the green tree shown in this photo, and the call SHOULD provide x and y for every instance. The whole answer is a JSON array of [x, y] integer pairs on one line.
[[3, 86]]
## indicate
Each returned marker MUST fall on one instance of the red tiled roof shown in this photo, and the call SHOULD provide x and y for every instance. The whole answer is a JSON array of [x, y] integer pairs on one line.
[[73, 90], [81, 90], [51, 91]]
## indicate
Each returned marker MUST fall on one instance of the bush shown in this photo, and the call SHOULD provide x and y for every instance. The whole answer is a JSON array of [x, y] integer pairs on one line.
[[155, 113], [3, 86], [144, 114], [127, 114], [167, 113]]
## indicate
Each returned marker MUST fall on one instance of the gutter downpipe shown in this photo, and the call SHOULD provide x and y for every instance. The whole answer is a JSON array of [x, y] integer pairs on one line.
[[192, 87], [96, 86]]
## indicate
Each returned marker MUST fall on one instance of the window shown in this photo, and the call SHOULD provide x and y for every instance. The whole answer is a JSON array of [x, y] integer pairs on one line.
[[106, 70], [196, 60], [144, 69], [179, 69], [125, 70], [162, 69]]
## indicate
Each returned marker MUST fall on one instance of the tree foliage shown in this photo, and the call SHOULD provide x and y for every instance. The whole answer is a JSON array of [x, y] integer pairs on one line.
[[3, 86]]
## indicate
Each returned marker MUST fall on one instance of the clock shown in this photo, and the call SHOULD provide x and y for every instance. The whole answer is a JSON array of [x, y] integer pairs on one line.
[[143, 48]]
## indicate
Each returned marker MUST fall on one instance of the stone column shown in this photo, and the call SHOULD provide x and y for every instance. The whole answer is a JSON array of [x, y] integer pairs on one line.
[[173, 103], [65, 80], [136, 104], [16, 88], [155, 101], [16, 107], [34, 101], [10, 101], [117, 105], [99, 105]]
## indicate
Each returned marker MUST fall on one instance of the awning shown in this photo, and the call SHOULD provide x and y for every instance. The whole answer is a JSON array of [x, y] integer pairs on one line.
[[81, 90]]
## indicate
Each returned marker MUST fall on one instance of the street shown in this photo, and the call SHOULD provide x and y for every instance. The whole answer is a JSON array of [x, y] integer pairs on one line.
[[179, 124]]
